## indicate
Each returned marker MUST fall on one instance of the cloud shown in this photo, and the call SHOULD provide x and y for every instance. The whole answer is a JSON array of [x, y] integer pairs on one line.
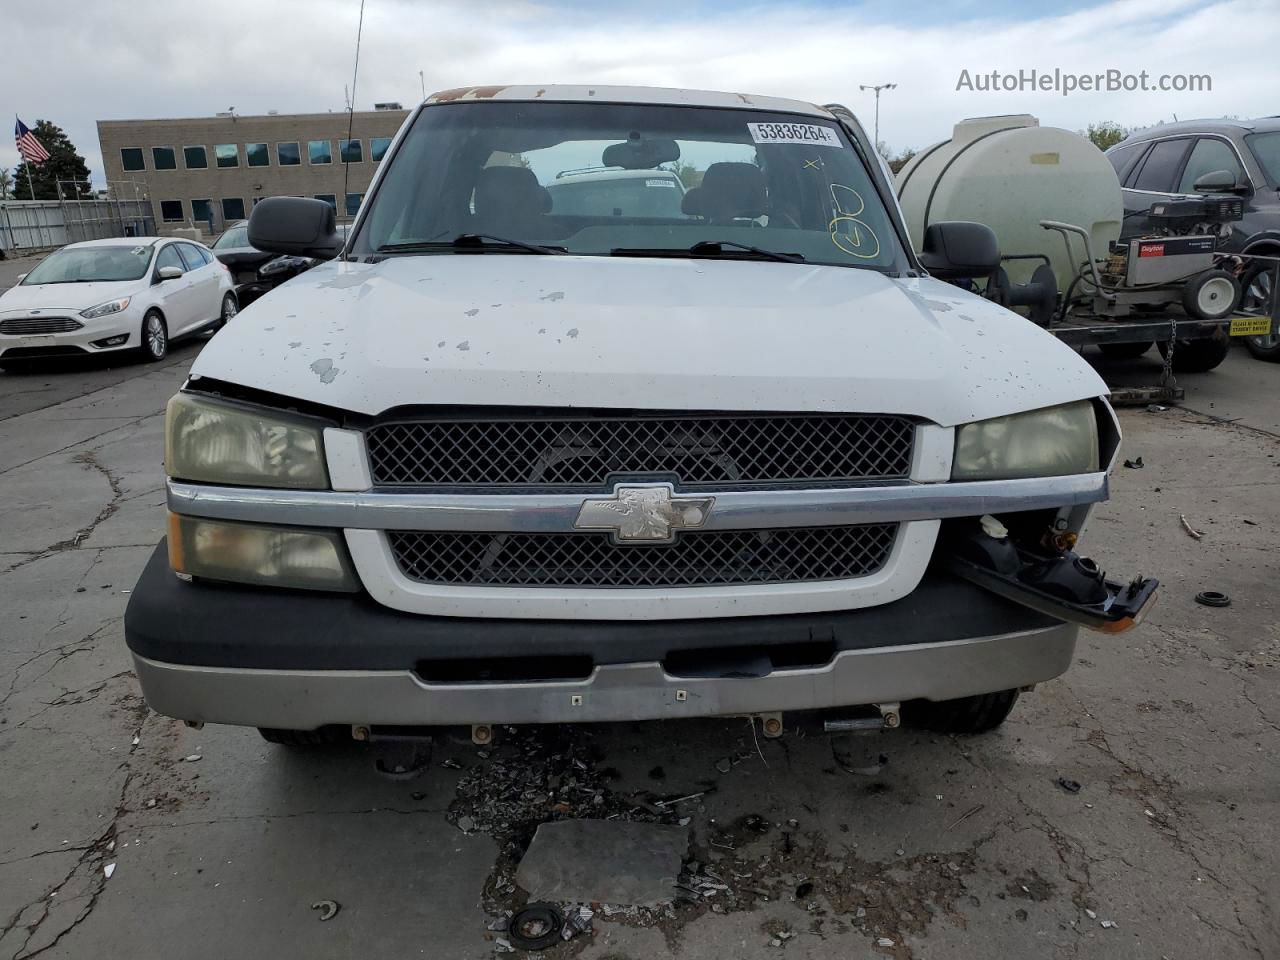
[[95, 61]]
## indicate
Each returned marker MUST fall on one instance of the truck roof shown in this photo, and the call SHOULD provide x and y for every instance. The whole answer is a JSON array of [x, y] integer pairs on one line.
[[670, 96]]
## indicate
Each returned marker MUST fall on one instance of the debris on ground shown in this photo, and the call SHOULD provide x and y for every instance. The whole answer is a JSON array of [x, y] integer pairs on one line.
[[965, 816], [108, 870], [884, 942], [1071, 786], [536, 926], [576, 921], [1213, 598], [1134, 464], [191, 758], [604, 861], [1108, 924], [1193, 533], [328, 909]]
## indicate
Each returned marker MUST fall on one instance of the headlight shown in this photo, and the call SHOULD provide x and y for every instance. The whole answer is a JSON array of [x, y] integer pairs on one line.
[[105, 309], [1051, 442], [218, 442], [253, 553]]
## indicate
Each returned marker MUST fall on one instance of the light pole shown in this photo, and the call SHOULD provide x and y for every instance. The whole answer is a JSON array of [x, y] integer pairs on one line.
[[423, 83], [877, 88]]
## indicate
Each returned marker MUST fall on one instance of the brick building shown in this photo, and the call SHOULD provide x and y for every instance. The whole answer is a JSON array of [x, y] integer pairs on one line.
[[210, 171]]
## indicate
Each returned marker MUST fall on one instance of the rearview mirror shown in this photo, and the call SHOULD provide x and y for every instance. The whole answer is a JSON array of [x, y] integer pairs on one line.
[[1216, 181], [168, 273], [640, 154], [960, 249], [297, 226]]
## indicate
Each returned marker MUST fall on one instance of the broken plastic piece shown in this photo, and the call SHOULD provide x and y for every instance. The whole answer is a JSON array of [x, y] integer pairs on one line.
[[1071, 786], [1135, 464], [108, 870]]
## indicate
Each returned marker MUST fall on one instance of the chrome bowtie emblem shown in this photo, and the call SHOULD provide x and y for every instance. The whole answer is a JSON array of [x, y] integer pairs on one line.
[[648, 512]]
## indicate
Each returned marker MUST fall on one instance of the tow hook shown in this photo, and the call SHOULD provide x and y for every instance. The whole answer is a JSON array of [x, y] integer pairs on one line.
[[1061, 583], [890, 718]]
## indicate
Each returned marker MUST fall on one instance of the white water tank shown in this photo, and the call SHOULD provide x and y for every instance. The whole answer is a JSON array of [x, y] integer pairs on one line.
[[1010, 173]]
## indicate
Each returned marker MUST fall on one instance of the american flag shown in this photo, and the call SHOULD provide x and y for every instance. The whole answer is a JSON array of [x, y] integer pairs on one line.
[[29, 148]]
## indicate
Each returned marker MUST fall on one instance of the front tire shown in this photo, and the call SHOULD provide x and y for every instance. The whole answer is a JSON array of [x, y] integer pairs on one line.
[[1197, 356], [967, 715], [320, 737], [155, 337]]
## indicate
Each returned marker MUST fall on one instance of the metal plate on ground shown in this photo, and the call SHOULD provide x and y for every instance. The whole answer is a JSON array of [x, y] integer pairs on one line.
[[604, 861]]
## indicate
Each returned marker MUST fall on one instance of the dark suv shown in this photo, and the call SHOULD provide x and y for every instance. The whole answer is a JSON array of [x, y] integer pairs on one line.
[[1170, 160]]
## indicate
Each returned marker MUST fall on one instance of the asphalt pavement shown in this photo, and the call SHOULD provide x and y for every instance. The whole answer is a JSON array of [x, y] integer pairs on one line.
[[126, 834]]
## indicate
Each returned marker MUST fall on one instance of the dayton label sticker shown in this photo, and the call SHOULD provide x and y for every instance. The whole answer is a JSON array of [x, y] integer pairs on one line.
[[810, 133]]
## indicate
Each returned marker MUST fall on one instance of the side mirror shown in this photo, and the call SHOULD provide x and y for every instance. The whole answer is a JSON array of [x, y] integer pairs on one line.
[[295, 226], [168, 273], [960, 249], [1216, 181], [19, 279]]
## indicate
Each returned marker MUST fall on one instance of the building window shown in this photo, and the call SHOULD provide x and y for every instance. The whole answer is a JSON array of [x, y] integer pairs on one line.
[[378, 147], [257, 155], [232, 209], [171, 211], [330, 198], [195, 158], [353, 203], [227, 155], [319, 151], [287, 154], [351, 151], [164, 158], [202, 212], [131, 159]]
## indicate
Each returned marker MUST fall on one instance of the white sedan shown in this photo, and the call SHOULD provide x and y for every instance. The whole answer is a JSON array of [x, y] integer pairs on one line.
[[125, 293]]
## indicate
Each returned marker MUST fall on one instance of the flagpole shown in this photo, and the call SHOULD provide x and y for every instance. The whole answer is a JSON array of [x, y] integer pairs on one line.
[[30, 183]]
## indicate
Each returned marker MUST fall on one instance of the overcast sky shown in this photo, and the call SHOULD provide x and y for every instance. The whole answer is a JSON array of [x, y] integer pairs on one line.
[[78, 61]]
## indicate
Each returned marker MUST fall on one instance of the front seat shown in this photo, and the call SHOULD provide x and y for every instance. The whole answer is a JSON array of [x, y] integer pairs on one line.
[[510, 200], [732, 191]]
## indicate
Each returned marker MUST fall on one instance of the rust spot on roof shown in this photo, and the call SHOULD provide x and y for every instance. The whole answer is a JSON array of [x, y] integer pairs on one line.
[[540, 92], [466, 93]]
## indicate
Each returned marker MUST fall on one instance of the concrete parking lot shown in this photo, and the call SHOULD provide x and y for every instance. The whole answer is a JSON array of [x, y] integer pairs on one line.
[[902, 844]]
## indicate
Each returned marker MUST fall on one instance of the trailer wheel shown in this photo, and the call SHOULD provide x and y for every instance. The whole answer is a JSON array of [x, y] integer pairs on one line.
[[1211, 295], [1197, 356], [1124, 351]]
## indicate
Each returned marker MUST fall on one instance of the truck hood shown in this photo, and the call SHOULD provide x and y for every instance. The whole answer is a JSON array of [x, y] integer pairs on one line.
[[567, 331], [64, 297]]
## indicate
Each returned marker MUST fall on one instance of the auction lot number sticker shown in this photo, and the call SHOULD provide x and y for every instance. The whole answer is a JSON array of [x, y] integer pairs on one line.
[[810, 133]]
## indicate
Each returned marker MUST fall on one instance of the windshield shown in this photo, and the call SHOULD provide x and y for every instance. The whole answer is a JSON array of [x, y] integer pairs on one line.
[[235, 237], [1266, 147], [624, 179], [89, 264]]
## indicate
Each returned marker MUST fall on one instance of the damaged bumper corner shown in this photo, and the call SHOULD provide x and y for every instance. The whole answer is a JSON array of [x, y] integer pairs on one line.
[[1061, 583]]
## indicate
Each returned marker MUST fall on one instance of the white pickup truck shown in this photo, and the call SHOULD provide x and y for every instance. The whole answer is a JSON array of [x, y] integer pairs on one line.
[[508, 460]]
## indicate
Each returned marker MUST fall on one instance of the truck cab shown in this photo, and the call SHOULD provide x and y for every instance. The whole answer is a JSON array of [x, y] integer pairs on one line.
[[510, 458]]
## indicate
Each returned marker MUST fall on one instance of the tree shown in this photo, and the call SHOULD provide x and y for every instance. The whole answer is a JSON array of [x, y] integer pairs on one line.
[[901, 160], [688, 174], [1106, 134], [6, 182], [64, 164]]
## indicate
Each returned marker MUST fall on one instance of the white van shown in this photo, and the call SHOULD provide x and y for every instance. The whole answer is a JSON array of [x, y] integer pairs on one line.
[[503, 460]]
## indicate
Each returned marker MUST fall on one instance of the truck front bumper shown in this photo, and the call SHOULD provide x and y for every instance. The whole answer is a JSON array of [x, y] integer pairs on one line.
[[277, 658]]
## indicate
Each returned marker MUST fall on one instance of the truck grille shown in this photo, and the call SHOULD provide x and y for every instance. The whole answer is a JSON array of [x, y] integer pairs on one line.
[[21, 326], [582, 453], [694, 559]]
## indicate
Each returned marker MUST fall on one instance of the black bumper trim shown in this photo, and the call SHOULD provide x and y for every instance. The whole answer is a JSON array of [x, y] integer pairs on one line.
[[219, 625]]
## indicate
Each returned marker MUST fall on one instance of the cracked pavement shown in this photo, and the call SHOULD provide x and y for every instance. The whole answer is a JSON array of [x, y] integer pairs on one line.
[[954, 848]]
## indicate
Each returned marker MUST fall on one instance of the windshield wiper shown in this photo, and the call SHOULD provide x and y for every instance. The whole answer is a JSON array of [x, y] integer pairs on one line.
[[479, 242], [709, 248]]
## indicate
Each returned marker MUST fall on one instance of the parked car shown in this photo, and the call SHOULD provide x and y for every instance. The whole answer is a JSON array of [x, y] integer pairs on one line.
[[126, 293], [256, 271], [1180, 160], [496, 464]]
